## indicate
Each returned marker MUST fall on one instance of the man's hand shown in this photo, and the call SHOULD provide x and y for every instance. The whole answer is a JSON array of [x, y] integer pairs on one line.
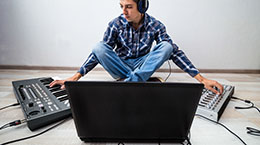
[[76, 77], [209, 84], [58, 82]]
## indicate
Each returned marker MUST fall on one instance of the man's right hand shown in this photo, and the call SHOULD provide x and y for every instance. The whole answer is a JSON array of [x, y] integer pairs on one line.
[[58, 82], [76, 77]]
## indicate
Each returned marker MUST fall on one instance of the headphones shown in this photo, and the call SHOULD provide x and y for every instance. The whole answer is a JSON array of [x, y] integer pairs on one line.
[[143, 6]]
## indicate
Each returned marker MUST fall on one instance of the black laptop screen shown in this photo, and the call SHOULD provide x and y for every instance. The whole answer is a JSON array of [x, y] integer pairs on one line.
[[119, 111]]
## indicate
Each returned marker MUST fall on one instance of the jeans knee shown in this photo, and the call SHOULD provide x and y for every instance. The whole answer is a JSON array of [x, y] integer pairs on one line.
[[167, 47], [99, 50]]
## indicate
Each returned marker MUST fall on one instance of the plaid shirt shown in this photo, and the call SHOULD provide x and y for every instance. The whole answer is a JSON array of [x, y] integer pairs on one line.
[[130, 43]]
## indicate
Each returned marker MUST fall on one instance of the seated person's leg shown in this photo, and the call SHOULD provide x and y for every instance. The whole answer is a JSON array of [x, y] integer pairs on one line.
[[110, 61], [152, 61]]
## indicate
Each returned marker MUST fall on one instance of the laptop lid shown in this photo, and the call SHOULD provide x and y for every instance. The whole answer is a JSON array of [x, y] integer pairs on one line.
[[133, 111]]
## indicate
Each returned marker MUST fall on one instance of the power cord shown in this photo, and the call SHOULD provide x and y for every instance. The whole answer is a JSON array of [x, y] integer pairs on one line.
[[253, 131], [17, 140], [246, 101], [169, 64], [187, 141], [14, 123], [15, 104], [222, 126], [250, 130]]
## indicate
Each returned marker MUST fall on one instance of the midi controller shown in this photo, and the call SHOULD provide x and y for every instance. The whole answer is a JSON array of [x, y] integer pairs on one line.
[[41, 104]]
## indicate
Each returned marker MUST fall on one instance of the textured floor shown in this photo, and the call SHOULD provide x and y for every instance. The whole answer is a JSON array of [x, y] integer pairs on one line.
[[203, 132]]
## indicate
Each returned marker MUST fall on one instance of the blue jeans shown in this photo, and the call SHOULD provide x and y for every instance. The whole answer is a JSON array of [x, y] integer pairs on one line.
[[137, 69]]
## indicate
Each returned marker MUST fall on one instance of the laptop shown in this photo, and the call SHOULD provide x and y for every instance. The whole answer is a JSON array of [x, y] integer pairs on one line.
[[133, 111]]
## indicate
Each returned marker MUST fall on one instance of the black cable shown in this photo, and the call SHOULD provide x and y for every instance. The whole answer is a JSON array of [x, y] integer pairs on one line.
[[189, 137], [15, 104], [4, 126], [237, 98], [189, 143], [169, 72], [253, 131], [35, 134], [246, 101], [186, 142], [222, 126], [13, 123]]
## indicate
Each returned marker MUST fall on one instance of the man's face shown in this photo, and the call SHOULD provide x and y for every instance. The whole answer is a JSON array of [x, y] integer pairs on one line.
[[130, 11]]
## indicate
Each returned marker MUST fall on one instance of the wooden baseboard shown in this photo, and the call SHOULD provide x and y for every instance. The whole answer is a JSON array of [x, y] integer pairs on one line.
[[23, 67], [239, 71]]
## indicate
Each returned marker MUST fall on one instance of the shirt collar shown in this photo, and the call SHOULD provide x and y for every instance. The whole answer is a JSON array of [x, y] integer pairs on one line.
[[126, 23]]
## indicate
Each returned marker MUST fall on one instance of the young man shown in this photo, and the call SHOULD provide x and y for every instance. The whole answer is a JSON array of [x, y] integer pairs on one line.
[[126, 53]]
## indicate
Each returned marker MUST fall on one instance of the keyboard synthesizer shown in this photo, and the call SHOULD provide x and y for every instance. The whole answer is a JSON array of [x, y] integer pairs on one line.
[[43, 105]]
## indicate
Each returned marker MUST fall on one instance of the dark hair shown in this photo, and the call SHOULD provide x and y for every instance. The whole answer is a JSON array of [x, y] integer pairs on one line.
[[136, 1]]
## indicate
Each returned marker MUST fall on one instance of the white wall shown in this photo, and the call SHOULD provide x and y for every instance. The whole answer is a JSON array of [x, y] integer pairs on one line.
[[215, 34]]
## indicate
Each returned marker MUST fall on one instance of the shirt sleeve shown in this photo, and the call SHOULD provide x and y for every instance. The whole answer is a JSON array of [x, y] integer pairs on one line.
[[110, 35], [177, 56], [163, 36], [88, 65], [182, 61]]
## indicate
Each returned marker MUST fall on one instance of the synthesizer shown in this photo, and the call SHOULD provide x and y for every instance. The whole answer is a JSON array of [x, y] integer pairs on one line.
[[212, 105], [41, 104]]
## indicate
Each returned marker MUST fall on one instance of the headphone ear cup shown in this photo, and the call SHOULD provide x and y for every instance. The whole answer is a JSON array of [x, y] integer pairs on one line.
[[143, 6]]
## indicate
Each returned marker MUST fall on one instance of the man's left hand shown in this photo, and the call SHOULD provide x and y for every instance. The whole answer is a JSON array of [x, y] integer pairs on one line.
[[210, 84]]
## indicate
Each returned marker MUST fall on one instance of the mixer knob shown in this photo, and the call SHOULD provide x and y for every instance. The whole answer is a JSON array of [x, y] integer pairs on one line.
[[30, 104]]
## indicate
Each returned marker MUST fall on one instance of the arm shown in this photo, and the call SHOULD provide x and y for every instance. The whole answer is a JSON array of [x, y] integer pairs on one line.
[[178, 56], [185, 64], [88, 65], [209, 84], [110, 36], [182, 61]]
